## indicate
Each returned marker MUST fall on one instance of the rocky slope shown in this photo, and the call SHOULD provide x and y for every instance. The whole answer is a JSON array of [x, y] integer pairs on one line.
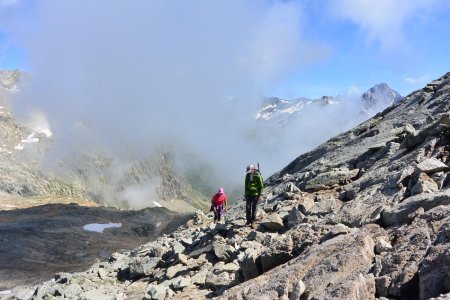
[[363, 216], [21, 148]]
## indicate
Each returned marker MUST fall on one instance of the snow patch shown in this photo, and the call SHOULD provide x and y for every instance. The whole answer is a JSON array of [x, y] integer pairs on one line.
[[30, 139], [39, 123], [19, 147], [157, 204], [158, 224], [97, 227]]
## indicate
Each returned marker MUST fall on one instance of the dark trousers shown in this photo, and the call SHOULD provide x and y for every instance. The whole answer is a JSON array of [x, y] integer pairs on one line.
[[218, 212], [250, 207]]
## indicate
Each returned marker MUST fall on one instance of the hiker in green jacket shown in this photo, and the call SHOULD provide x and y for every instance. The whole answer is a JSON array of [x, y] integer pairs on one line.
[[253, 190]]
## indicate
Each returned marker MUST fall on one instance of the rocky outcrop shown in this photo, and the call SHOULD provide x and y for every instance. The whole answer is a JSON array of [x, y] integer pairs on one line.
[[363, 216]]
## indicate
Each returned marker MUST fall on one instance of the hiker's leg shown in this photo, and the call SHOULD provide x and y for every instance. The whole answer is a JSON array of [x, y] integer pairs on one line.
[[248, 208], [216, 215], [220, 211], [254, 205]]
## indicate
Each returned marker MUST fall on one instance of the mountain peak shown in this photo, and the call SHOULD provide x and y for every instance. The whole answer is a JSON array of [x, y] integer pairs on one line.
[[379, 97]]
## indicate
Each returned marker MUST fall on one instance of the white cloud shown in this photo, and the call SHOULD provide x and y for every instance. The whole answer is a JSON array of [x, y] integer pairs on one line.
[[383, 21], [354, 90], [156, 72]]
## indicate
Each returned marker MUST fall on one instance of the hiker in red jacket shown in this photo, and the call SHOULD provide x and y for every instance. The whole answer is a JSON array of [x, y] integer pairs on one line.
[[219, 204]]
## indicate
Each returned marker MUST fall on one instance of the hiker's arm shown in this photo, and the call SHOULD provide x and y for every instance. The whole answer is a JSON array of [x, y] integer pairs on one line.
[[260, 187]]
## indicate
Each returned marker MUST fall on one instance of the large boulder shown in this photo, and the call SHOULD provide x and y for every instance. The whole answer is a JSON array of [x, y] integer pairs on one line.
[[331, 178], [273, 222], [399, 213], [432, 165], [417, 263], [329, 270]]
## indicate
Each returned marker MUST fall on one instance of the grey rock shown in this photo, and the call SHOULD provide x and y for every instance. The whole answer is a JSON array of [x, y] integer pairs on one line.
[[23, 292], [342, 269], [382, 246], [199, 278], [336, 230], [174, 270], [256, 236], [422, 183], [298, 288], [250, 245], [157, 292], [249, 265], [219, 280], [273, 222], [200, 251], [224, 252], [434, 270], [177, 247], [72, 290], [432, 165], [328, 179], [399, 213], [142, 266], [294, 218], [180, 283]]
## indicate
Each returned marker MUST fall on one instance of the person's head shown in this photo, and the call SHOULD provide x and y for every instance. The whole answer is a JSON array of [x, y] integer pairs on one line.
[[250, 168], [220, 191]]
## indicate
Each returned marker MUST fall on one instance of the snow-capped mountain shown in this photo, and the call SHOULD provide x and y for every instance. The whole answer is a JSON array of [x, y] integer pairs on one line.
[[277, 108], [281, 110]]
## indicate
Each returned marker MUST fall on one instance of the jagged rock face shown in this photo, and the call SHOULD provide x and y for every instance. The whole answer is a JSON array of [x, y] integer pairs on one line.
[[363, 216], [379, 96], [21, 149], [9, 79]]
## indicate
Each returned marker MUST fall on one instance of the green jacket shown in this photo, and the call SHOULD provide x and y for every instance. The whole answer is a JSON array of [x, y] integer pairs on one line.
[[254, 184]]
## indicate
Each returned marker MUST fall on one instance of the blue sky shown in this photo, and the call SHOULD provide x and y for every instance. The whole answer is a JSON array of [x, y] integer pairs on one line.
[[359, 43]]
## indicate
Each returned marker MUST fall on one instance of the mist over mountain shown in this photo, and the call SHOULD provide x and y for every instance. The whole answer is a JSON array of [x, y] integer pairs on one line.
[[286, 127], [119, 176], [372, 101], [363, 216], [85, 172]]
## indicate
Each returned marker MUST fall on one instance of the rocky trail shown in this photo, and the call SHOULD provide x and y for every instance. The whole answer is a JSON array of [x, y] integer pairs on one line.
[[363, 216]]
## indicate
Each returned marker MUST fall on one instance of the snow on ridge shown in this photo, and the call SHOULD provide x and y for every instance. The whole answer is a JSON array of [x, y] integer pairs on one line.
[[157, 204], [30, 139]]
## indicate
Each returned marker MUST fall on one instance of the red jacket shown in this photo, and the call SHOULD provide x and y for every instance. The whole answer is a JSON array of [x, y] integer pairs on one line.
[[218, 199]]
